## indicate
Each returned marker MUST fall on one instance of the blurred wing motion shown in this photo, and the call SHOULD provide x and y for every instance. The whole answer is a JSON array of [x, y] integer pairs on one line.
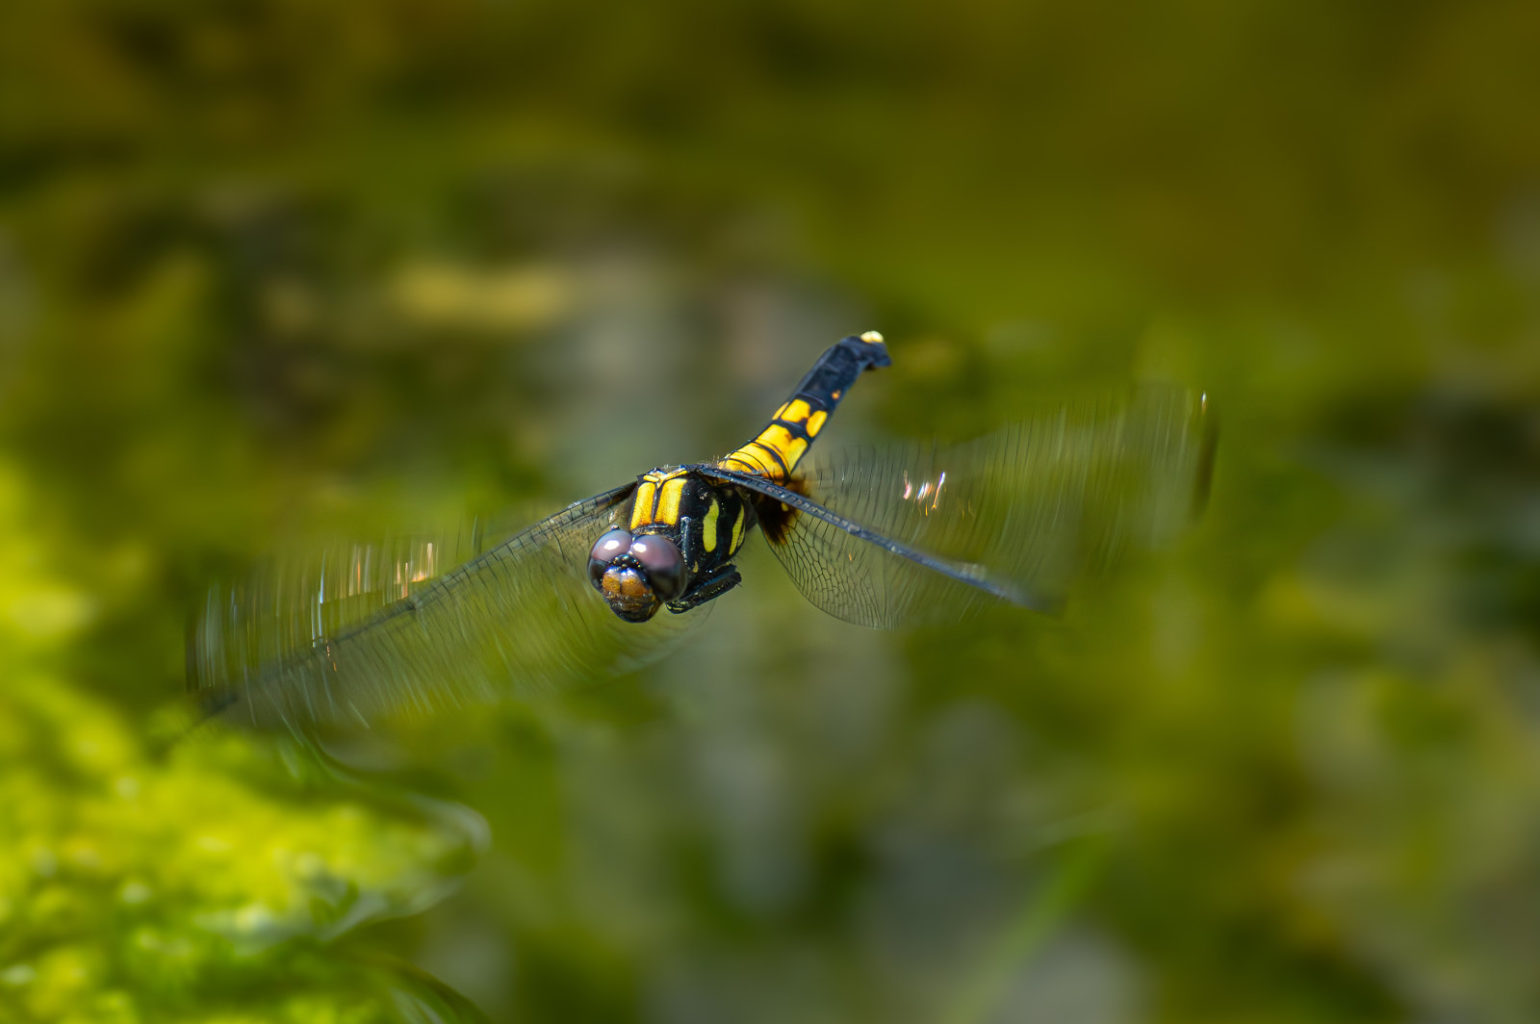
[[882, 537], [358, 631], [1024, 511]]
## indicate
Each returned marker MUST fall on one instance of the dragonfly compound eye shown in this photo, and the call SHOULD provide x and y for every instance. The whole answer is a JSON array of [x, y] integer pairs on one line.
[[662, 563], [606, 549]]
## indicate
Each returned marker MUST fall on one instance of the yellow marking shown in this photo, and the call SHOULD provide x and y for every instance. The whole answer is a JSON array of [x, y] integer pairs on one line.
[[793, 412], [772, 467], [709, 526], [668, 500], [789, 448], [738, 520], [780, 413], [836, 395], [776, 454], [777, 437], [641, 505], [815, 422], [873, 337], [749, 457]]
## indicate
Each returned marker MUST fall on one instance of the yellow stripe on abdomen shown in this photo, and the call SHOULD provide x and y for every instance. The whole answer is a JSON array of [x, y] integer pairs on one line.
[[794, 411], [774, 453], [789, 447], [751, 458]]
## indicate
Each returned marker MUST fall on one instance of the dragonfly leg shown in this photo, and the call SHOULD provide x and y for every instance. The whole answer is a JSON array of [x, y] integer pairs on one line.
[[707, 586]]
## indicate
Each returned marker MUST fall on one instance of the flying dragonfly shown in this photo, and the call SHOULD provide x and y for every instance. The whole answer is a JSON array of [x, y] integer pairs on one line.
[[885, 536]]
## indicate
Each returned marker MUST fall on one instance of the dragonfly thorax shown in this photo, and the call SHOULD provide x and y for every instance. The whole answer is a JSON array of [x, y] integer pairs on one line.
[[676, 547]]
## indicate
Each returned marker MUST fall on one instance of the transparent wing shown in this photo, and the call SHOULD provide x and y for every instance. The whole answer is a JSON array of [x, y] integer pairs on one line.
[[1032, 507], [356, 631]]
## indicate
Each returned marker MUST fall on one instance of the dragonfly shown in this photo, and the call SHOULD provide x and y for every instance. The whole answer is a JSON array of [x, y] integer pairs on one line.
[[883, 536]]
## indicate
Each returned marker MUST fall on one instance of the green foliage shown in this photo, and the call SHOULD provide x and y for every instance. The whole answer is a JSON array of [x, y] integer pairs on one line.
[[186, 877]]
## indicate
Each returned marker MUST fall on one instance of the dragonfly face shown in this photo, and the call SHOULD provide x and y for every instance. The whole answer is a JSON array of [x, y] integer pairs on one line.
[[635, 574], [882, 536]]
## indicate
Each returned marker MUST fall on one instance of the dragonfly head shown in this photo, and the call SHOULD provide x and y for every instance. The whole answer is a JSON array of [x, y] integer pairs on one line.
[[636, 575]]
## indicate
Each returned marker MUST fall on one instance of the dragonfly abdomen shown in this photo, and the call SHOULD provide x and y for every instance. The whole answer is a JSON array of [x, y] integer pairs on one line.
[[775, 451]]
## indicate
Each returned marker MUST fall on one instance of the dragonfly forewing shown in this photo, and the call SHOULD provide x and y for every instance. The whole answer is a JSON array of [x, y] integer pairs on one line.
[[357, 631], [1056, 497]]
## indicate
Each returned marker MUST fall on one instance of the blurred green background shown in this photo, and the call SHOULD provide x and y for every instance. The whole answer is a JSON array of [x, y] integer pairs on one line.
[[274, 266]]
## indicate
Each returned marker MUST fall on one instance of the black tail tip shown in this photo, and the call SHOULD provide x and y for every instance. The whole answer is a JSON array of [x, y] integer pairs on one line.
[[873, 350]]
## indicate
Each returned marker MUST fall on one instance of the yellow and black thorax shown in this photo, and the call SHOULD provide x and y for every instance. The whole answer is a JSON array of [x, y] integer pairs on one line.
[[706, 520]]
